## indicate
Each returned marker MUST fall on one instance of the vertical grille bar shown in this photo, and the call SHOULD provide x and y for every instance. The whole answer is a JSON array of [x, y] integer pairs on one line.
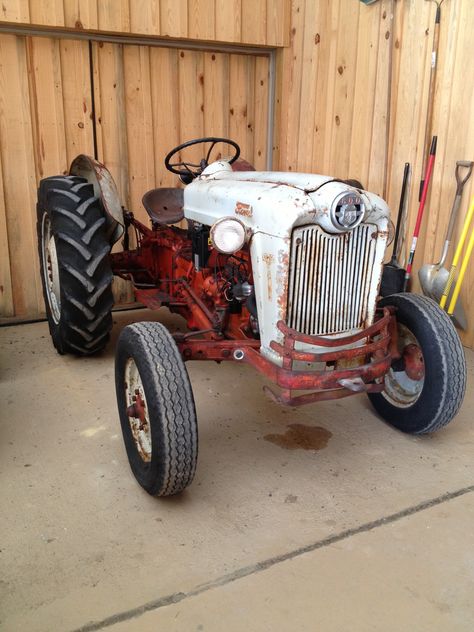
[[330, 279]]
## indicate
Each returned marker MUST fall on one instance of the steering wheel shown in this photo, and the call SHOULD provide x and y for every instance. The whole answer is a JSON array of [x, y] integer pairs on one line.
[[192, 170]]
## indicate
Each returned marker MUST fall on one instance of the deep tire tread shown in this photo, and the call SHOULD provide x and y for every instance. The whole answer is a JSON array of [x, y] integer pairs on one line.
[[445, 365], [79, 226], [171, 408]]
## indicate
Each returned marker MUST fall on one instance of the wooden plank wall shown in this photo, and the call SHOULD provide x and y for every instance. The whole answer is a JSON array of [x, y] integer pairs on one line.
[[261, 22], [340, 110], [343, 113], [45, 105], [334, 90], [139, 122], [46, 120], [453, 123]]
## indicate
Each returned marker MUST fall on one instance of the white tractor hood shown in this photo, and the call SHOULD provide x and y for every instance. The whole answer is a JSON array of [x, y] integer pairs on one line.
[[271, 205], [272, 202]]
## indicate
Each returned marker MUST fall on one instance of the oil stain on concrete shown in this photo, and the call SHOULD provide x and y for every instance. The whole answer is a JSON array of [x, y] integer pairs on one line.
[[301, 437]]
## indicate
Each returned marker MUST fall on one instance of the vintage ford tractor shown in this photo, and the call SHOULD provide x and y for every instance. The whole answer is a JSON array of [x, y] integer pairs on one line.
[[280, 271]]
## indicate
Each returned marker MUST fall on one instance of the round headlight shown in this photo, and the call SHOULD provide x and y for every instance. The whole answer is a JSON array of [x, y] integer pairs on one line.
[[228, 235], [347, 211]]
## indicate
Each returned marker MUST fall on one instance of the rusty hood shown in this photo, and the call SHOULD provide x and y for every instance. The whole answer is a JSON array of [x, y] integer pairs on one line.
[[271, 202]]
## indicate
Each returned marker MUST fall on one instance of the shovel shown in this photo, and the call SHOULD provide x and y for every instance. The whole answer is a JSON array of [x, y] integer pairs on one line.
[[458, 318], [434, 277], [462, 271]]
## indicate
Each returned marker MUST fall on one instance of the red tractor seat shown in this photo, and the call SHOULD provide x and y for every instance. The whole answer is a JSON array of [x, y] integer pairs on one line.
[[164, 205]]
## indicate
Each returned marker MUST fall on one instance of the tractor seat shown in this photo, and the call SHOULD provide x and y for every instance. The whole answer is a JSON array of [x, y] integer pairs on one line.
[[164, 205]]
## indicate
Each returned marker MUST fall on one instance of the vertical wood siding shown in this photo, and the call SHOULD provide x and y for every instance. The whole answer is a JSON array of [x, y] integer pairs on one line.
[[147, 100], [262, 22], [335, 104], [341, 109]]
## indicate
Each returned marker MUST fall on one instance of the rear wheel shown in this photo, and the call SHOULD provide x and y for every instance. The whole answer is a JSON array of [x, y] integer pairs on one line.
[[424, 389], [75, 268], [156, 409]]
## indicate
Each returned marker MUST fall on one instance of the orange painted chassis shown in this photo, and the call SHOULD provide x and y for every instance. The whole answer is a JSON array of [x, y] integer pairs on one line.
[[163, 273]]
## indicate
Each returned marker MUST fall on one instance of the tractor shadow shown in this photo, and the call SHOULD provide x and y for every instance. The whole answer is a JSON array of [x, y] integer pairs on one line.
[[122, 318]]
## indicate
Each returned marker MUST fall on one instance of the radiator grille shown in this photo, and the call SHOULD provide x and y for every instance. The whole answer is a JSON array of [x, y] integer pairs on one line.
[[330, 278]]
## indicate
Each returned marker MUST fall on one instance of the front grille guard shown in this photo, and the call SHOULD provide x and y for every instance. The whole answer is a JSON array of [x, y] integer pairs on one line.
[[378, 351]]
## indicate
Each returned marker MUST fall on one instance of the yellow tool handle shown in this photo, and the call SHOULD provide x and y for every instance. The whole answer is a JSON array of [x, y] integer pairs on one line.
[[457, 254], [462, 272]]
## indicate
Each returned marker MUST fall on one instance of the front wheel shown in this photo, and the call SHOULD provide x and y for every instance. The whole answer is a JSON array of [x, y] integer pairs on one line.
[[156, 409], [424, 389]]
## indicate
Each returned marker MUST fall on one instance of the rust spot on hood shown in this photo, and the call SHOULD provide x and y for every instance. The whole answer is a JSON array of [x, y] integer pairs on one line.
[[243, 209], [268, 258], [282, 282]]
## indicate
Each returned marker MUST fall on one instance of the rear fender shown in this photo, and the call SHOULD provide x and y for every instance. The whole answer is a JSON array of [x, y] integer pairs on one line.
[[104, 187]]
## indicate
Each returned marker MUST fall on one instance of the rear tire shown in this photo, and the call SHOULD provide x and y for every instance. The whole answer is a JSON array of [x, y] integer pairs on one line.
[[75, 266], [156, 408], [411, 404]]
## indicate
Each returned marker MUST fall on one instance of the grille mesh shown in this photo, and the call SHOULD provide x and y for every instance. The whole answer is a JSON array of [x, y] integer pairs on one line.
[[330, 278]]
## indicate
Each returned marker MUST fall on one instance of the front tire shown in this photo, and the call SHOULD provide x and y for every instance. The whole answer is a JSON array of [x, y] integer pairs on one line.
[[425, 388], [75, 267], [156, 408]]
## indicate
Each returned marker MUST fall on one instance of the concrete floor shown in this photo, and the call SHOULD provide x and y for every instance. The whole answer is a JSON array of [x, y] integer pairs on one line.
[[367, 530]]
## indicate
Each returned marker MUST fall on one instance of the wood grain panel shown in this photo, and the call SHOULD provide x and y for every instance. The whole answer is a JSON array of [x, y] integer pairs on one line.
[[147, 100], [81, 14], [229, 20], [278, 22], [241, 21], [216, 94], [18, 169], [239, 104], [254, 21], [77, 98], [145, 17], [377, 151], [47, 12], [191, 100], [114, 15], [201, 19], [291, 86], [139, 125], [15, 11], [174, 18], [46, 94], [260, 113], [364, 100], [112, 137], [338, 93], [164, 72], [6, 293]]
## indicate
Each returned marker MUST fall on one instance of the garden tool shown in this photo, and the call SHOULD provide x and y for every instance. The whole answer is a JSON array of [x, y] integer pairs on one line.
[[431, 92], [393, 274], [462, 272], [421, 208], [433, 276], [457, 318]]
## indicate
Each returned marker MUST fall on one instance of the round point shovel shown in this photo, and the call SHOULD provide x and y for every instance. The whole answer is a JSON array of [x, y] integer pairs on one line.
[[434, 277], [458, 316]]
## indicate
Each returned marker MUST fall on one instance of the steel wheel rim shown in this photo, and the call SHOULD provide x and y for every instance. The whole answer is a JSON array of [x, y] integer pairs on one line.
[[137, 410], [400, 390], [51, 269]]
